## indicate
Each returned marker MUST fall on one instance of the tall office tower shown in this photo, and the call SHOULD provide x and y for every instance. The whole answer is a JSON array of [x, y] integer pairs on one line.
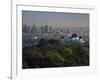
[[42, 29], [39, 29], [50, 30], [81, 33], [34, 29], [46, 29], [25, 29], [28, 28]]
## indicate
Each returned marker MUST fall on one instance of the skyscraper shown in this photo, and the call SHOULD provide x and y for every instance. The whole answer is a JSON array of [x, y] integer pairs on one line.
[[25, 28], [46, 30], [34, 29], [50, 30], [42, 29]]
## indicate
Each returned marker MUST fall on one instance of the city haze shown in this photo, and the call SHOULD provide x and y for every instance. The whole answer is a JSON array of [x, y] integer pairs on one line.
[[56, 19]]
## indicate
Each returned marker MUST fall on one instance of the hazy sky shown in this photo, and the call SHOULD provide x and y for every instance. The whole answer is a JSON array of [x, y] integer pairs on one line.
[[56, 19]]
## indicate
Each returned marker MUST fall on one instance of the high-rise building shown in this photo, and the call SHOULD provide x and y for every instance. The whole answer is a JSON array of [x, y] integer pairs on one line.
[[46, 30], [81, 32], [50, 30], [42, 29], [34, 29], [25, 28]]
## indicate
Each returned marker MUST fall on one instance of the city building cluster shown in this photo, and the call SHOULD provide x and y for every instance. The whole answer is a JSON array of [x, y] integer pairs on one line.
[[35, 29], [35, 33]]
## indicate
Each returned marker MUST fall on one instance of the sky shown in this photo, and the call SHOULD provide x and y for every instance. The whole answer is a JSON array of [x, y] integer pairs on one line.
[[56, 19]]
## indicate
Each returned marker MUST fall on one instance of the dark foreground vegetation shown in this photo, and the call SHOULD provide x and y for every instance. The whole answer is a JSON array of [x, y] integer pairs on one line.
[[52, 53]]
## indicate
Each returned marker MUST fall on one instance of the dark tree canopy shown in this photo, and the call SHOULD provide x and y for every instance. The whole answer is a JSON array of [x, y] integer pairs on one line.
[[52, 53]]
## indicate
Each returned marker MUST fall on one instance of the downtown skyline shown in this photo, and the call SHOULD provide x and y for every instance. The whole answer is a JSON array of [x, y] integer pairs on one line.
[[55, 19]]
